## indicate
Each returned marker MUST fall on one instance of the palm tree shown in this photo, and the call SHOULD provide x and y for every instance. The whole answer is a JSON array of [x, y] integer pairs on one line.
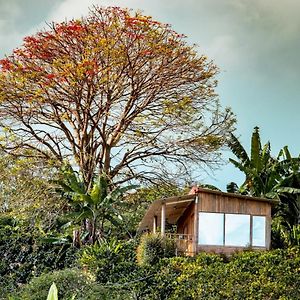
[[288, 188], [259, 169], [91, 209], [266, 176]]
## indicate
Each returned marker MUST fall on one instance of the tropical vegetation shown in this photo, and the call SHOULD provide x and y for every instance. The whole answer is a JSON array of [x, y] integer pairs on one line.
[[275, 177], [99, 117]]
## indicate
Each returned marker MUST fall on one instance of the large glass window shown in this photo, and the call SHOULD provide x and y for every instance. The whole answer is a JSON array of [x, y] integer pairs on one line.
[[219, 229], [259, 231], [211, 228], [237, 230]]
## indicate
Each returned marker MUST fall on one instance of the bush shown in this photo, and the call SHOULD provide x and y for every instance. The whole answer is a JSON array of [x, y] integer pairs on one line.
[[247, 275], [153, 247], [71, 284], [24, 254], [111, 261]]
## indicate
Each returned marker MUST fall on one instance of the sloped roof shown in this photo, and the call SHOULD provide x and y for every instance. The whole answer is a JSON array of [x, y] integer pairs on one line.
[[175, 207]]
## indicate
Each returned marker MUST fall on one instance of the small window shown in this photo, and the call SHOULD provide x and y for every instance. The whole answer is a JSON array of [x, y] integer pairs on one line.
[[237, 230], [259, 231], [211, 228]]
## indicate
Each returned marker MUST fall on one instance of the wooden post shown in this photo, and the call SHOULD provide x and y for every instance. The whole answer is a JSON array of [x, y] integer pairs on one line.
[[154, 224], [251, 231], [196, 214], [163, 219], [268, 232]]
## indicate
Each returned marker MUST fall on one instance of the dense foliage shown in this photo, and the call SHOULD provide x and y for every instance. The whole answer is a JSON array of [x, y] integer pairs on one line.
[[271, 177], [71, 284], [110, 261], [25, 254], [247, 275], [25, 188], [124, 98], [154, 247]]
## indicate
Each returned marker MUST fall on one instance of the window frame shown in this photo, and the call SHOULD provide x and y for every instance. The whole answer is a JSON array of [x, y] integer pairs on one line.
[[251, 230]]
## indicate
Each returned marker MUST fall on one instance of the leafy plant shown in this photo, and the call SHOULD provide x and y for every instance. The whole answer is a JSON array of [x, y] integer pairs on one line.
[[53, 293], [90, 207], [25, 254], [270, 177], [153, 247], [284, 235], [70, 283], [111, 261]]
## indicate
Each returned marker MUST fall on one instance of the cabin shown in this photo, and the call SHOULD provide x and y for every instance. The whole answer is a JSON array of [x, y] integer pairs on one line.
[[211, 221]]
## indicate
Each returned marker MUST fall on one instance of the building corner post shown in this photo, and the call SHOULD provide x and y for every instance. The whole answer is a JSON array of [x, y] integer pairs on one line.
[[163, 219], [196, 215], [154, 224]]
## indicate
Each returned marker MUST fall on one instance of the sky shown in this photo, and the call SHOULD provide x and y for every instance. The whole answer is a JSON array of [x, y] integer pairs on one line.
[[255, 43]]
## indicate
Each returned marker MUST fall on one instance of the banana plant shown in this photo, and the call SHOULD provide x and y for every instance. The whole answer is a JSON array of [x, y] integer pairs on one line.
[[260, 168], [288, 188], [268, 176], [93, 208]]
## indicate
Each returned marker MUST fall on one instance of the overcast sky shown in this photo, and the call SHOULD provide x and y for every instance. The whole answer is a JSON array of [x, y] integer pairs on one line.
[[255, 43]]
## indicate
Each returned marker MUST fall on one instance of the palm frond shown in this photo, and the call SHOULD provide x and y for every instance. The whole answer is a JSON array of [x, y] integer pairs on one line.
[[256, 149], [238, 150]]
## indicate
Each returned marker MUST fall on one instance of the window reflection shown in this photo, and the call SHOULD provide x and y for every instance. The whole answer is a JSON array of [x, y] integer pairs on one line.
[[258, 231], [211, 228], [237, 230]]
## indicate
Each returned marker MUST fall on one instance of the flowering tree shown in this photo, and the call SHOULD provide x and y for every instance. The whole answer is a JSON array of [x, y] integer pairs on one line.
[[114, 92]]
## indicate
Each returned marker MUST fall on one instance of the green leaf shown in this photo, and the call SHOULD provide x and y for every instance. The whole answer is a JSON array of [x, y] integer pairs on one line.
[[238, 150], [53, 294], [256, 149]]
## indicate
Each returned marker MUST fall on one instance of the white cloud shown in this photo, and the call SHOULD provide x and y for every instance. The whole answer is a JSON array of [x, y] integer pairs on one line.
[[9, 35], [70, 9]]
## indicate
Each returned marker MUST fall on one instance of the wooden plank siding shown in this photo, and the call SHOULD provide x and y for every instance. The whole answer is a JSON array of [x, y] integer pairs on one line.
[[185, 223], [230, 204], [183, 211]]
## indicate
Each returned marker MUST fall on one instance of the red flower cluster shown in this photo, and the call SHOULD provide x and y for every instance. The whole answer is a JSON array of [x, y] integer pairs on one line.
[[70, 27], [30, 40], [6, 64], [50, 76], [146, 52]]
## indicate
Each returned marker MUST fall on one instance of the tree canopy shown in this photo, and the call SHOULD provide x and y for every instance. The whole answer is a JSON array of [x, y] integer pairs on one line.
[[115, 92]]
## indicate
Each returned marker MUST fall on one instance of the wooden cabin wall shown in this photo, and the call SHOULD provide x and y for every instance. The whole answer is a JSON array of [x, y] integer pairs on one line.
[[229, 204], [185, 223]]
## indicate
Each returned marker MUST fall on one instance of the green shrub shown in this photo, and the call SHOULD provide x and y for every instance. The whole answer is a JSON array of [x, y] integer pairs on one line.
[[111, 261], [71, 284], [153, 247], [24, 254], [247, 275]]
